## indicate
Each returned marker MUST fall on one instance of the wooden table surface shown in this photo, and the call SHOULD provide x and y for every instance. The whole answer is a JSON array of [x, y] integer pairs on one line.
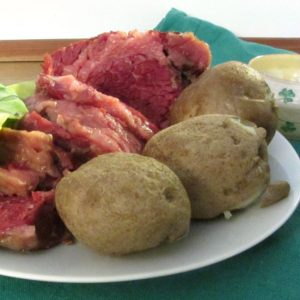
[[21, 59]]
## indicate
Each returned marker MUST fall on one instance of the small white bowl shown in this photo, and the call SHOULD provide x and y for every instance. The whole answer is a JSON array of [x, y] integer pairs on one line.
[[289, 120], [282, 73]]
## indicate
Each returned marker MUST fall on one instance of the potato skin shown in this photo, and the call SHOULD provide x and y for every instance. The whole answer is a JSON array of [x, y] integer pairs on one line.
[[120, 203], [230, 88], [222, 165]]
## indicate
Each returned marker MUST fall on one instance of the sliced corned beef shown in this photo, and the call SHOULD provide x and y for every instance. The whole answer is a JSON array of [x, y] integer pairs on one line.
[[30, 161], [69, 89], [145, 70], [83, 121], [34, 150], [30, 167], [62, 138], [30, 222], [20, 181]]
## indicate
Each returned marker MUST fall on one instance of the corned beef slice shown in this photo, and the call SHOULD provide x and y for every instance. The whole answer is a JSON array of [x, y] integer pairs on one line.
[[28, 162], [83, 120], [29, 223], [30, 157], [18, 181], [33, 150], [62, 138], [69, 89], [145, 70]]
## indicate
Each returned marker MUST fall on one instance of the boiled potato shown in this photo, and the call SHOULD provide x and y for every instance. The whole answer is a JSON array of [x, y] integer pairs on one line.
[[230, 88], [221, 161], [120, 203]]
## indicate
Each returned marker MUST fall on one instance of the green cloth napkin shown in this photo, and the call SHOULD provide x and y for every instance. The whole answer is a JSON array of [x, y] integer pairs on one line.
[[223, 43], [270, 270]]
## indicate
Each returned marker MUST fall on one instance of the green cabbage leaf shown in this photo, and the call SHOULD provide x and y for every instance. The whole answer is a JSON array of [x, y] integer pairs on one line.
[[12, 106]]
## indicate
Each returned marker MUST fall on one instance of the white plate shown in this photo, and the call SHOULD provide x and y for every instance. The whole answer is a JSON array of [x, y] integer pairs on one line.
[[207, 243]]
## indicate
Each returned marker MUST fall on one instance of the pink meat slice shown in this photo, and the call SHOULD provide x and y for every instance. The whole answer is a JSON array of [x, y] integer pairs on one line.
[[29, 223], [69, 89], [85, 121], [145, 70], [30, 167], [64, 140], [30, 160], [82, 130], [72, 150], [17, 181], [33, 150]]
